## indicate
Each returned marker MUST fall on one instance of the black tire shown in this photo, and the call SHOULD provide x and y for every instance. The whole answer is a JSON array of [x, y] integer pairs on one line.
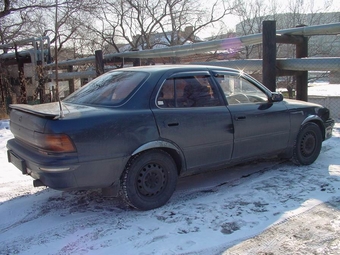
[[149, 180], [307, 145]]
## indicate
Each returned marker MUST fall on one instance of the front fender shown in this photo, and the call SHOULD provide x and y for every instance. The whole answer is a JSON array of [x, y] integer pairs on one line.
[[317, 120], [312, 118]]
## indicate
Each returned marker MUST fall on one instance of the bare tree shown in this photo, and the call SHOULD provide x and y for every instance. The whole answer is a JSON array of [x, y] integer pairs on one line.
[[8, 7], [72, 15], [128, 21], [288, 15], [145, 24], [189, 16], [32, 18], [15, 18], [252, 14]]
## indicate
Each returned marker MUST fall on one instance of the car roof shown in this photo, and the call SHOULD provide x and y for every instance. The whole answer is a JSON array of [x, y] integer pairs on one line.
[[177, 67]]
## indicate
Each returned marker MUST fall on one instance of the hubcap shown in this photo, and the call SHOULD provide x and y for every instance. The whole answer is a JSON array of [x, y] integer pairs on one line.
[[307, 144], [151, 180]]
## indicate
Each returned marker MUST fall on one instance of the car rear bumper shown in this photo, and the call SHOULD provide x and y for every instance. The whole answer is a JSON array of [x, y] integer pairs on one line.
[[64, 172]]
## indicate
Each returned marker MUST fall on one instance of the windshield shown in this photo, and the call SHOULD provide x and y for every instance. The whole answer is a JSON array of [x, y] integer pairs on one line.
[[108, 89]]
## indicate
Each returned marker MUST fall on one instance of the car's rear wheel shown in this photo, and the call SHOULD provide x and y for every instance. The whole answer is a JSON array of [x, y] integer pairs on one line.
[[149, 180], [307, 145]]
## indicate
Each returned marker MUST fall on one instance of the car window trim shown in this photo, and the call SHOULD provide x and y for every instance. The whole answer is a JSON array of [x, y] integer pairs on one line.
[[189, 73], [186, 74], [250, 79]]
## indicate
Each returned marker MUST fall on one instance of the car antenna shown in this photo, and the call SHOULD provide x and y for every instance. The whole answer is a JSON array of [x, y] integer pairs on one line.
[[61, 113]]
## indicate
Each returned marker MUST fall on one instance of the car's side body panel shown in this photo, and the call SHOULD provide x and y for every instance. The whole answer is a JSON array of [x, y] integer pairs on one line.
[[205, 135], [260, 129]]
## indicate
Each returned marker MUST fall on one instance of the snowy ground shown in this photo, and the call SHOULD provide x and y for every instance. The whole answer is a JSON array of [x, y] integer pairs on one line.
[[323, 89], [266, 207]]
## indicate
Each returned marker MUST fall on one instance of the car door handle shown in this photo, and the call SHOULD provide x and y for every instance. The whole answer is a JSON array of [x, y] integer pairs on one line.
[[173, 124], [240, 117]]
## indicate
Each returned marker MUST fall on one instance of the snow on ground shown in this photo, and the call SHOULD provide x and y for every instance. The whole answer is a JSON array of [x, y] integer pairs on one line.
[[212, 213], [323, 89]]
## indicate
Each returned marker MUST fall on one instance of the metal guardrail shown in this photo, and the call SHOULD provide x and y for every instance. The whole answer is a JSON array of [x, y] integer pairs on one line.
[[202, 47], [35, 53], [311, 64], [304, 64], [296, 64]]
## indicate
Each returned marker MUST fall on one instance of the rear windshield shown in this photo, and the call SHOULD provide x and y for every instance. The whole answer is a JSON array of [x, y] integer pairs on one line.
[[108, 89]]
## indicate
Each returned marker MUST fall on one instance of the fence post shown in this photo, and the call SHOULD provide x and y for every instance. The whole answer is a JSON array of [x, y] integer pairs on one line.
[[302, 77], [269, 54], [22, 79], [70, 81], [41, 86], [99, 62], [136, 61]]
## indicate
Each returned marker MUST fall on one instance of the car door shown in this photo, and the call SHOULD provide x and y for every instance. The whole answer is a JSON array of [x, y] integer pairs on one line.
[[260, 126], [190, 112]]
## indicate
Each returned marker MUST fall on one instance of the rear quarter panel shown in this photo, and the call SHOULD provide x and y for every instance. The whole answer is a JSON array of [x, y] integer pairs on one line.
[[107, 133]]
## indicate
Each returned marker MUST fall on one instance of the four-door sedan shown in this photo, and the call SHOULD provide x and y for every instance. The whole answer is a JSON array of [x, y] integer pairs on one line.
[[134, 131]]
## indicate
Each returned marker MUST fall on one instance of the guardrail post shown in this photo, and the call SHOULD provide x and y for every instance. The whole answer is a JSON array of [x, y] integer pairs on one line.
[[70, 81], [41, 82], [99, 62], [269, 54], [22, 79], [302, 77], [136, 61]]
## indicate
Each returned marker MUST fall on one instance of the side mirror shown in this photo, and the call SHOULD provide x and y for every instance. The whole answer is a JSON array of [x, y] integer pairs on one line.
[[276, 97]]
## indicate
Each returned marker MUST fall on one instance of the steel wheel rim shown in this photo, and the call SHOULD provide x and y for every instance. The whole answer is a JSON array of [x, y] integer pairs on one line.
[[151, 180], [308, 144]]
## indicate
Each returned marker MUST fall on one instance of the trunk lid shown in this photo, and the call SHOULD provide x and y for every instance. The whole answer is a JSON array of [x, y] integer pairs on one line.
[[25, 119]]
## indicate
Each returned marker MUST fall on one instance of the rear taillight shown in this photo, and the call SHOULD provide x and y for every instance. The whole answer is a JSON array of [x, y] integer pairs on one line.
[[54, 142]]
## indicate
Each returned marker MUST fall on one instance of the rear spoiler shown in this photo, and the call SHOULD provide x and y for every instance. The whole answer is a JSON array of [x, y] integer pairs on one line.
[[45, 111]]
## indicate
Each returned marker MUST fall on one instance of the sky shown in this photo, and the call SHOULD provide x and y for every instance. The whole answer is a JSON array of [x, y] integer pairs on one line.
[[309, 6]]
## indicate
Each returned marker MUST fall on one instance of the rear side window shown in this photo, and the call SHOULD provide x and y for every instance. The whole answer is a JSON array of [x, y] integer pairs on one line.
[[190, 91], [108, 89]]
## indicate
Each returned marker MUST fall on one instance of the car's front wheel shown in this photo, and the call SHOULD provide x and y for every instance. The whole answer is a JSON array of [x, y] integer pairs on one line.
[[149, 180], [307, 145]]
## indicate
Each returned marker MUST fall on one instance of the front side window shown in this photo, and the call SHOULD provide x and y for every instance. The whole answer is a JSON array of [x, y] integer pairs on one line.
[[190, 91], [238, 90], [109, 89]]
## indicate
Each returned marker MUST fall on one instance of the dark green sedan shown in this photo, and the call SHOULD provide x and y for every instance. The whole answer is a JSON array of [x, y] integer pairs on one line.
[[134, 131]]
